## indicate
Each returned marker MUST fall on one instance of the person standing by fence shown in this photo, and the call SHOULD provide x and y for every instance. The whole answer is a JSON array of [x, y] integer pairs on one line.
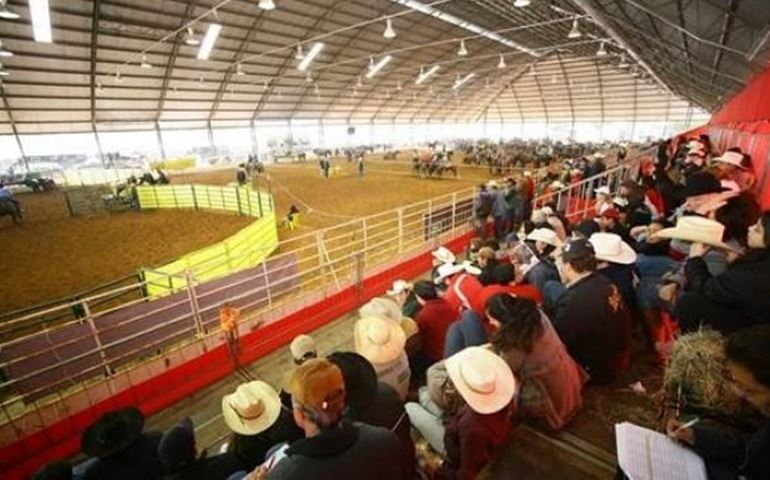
[[228, 320]]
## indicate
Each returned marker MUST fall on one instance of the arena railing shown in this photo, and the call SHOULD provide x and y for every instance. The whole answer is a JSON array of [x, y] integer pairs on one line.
[[71, 369]]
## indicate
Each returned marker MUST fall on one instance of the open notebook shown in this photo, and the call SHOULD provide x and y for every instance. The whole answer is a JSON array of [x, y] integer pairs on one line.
[[645, 454]]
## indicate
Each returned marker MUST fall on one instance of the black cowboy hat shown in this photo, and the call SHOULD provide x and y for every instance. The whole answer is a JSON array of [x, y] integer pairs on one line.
[[359, 376], [702, 183], [112, 433]]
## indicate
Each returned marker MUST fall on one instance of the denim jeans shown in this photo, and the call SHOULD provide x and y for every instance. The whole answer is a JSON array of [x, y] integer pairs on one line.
[[552, 292], [468, 331]]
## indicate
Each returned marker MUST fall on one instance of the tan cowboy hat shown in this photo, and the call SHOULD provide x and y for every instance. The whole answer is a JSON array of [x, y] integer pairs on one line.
[[443, 255], [545, 235], [697, 229], [303, 347], [731, 158], [609, 247], [252, 409], [383, 308], [399, 286], [482, 378], [379, 340]]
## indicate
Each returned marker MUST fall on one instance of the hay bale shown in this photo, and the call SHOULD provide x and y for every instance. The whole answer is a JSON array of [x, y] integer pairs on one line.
[[695, 378]]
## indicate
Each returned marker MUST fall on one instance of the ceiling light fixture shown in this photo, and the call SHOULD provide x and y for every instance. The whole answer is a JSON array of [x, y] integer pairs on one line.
[[6, 13], [145, 63], [602, 52], [360, 82], [425, 74], [239, 69], [99, 89], [308, 78], [575, 31], [462, 51], [41, 20], [200, 80], [389, 32], [118, 77], [300, 54], [208, 41], [501, 63], [464, 24], [175, 91], [522, 3], [623, 62], [308, 59], [3, 71], [460, 82], [374, 69], [191, 39], [4, 52], [266, 4]]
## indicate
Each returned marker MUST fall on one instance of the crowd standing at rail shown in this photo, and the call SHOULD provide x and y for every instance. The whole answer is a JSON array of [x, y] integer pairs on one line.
[[539, 309]]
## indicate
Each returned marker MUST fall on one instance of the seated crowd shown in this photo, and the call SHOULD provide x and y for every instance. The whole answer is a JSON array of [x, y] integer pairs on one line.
[[538, 311]]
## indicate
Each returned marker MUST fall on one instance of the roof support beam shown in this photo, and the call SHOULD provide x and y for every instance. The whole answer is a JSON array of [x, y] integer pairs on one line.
[[569, 95], [94, 47], [723, 37], [516, 76], [680, 16], [15, 131], [588, 7], [172, 61]]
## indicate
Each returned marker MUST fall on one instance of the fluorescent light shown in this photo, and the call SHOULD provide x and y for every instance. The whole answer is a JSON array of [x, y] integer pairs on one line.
[[41, 20], [308, 59], [521, 3], [389, 31], [424, 75], [460, 82], [375, 69], [6, 13], [208, 41], [459, 22], [4, 52], [3, 71], [266, 4]]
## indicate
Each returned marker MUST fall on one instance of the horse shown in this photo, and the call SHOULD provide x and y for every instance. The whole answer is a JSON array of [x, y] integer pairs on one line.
[[8, 207]]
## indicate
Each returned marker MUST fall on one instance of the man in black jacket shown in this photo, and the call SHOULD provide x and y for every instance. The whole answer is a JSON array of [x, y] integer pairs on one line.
[[591, 318], [333, 448], [731, 455]]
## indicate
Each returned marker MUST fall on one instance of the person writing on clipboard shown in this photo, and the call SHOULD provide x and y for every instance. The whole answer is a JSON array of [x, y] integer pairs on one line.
[[729, 455]]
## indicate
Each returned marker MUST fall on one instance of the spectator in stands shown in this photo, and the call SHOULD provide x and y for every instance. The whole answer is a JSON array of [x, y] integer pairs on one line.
[[254, 414], [180, 457], [616, 261], [373, 402], [504, 281], [382, 343], [402, 293], [333, 448], [585, 228], [735, 299], [303, 348], [460, 284], [639, 212], [441, 256], [550, 380], [475, 429], [590, 316], [609, 222], [728, 454], [122, 449], [545, 244], [603, 199], [433, 320], [482, 209], [499, 209], [486, 260]]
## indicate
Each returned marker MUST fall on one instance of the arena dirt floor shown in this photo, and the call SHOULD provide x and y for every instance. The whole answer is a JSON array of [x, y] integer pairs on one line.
[[54, 256]]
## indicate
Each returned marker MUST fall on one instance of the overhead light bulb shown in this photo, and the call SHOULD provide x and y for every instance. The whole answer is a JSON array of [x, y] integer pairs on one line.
[[308, 77], [145, 63], [3, 71], [265, 84], [389, 31], [190, 38], [462, 51], [266, 4], [99, 89], [602, 52], [359, 83], [4, 52], [6, 13], [522, 3], [300, 54], [623, 62], [575, 31], [200, 80], [118, 77], [634, 72], [501, 63], [239, 69], [316, 89], [398, 85], [175, 90]]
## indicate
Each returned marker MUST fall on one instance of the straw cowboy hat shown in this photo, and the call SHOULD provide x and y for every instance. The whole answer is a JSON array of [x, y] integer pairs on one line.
[[252, 409], [604, 190], [443, 255], [383, 308], [545, 235], [609, 247], [399, 286], [113, 432], [380, 341], [482, 378], [697, 229], [731, 158]]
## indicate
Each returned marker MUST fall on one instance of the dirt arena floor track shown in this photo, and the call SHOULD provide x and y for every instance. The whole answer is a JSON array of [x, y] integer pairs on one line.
[[54, 256]]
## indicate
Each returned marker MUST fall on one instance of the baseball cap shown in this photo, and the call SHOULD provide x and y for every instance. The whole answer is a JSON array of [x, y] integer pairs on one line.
[[318, 384], [303, 347], [577, 248], [177, 446], [611, 213]]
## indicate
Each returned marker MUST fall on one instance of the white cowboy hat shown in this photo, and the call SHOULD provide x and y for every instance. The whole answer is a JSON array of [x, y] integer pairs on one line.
[[695, 145], [731, 158], [380, 341], [302, 347], [470, 268], [548, 211], [545, 235], [383, 308], [398, 288], [557, 184], [252, 409], [443, 255], [620, 201], [527, 173], [609, 247], [598, 155], [447, 270], [493, 184], [697, 229], [482, 378], [604, 189]]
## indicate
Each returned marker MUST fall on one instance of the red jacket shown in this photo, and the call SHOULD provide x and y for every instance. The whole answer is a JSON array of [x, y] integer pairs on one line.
[[433, 320], [463, 288], [520, 290]]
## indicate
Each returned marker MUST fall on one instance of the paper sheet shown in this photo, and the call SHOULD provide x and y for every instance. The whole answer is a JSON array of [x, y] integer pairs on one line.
[[645, 454]]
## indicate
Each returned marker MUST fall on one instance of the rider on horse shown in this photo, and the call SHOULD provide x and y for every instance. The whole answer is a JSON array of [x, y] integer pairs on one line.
[[7, 196]]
